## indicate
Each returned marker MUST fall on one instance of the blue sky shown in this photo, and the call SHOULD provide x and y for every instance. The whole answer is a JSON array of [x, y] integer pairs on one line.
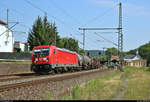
[[69, 15]]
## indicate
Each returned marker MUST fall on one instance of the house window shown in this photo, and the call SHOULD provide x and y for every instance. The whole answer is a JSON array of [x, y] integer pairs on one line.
[[6, 42]]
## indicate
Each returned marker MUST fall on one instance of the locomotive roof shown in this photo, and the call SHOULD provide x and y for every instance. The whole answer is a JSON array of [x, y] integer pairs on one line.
[[63, 49], [47, 46]]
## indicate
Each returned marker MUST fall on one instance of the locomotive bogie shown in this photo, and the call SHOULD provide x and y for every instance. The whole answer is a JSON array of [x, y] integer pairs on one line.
[[41, 68]]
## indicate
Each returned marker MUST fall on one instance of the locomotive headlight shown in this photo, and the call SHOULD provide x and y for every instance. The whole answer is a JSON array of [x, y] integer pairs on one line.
[[45, 59], [36, 59]]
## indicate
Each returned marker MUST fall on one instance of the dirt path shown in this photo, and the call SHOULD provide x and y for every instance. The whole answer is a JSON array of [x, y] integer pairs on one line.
[[121, 93]]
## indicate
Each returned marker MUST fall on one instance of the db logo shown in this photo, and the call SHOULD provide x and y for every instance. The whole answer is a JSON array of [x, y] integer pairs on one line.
[[40, 59]]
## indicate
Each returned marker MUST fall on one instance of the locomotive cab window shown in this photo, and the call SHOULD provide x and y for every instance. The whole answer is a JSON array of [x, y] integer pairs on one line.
[[54, 51], [41, 52]]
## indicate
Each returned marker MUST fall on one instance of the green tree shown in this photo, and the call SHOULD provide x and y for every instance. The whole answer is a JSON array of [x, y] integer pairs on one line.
[[42, 33], [132, 52], [144, 52], [112, 51], [81, 51], [69, 43], [102, 58]]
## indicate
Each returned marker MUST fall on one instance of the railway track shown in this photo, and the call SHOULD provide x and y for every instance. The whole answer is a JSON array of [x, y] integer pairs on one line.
[[34, 80], [21, 76], [18, 76]]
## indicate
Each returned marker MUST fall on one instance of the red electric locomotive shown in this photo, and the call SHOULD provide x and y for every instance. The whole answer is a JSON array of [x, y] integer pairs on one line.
[[50, 58], [47, 59]]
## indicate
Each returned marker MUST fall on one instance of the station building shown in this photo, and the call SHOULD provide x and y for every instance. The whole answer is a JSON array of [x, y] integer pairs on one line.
[[134, 60]]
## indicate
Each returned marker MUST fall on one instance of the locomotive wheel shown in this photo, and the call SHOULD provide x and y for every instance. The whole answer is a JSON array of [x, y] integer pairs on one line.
[[65, 69], [52, 72], [71, 70], [80, 69], [58, 71], [55, 71]]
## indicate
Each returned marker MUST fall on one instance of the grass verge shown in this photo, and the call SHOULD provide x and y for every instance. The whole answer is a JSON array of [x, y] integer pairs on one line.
[[109, 86], [102, 88], [138, 84]]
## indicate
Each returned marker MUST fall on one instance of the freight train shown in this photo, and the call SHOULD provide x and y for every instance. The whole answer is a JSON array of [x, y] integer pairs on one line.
[[46, 59]]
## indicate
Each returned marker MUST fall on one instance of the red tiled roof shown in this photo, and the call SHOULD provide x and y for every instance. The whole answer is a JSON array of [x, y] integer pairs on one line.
[[2, 22], [114, 57]]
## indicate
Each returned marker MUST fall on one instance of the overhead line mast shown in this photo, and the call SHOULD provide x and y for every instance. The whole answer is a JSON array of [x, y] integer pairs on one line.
[[95, 29], [120, 38], [120, 35]]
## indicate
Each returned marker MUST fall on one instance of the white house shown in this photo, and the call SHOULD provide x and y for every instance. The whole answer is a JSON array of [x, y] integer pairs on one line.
[[21, 47], [6, 38]]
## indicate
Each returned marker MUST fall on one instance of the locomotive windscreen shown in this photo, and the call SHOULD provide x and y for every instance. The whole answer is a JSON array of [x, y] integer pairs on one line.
[[41, 52]]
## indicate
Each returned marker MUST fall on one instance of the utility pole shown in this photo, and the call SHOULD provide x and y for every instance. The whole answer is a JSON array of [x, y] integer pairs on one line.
[[104, 51], [120, 38], [7, 25], [120, 35], [7, 18], [83, 39]]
